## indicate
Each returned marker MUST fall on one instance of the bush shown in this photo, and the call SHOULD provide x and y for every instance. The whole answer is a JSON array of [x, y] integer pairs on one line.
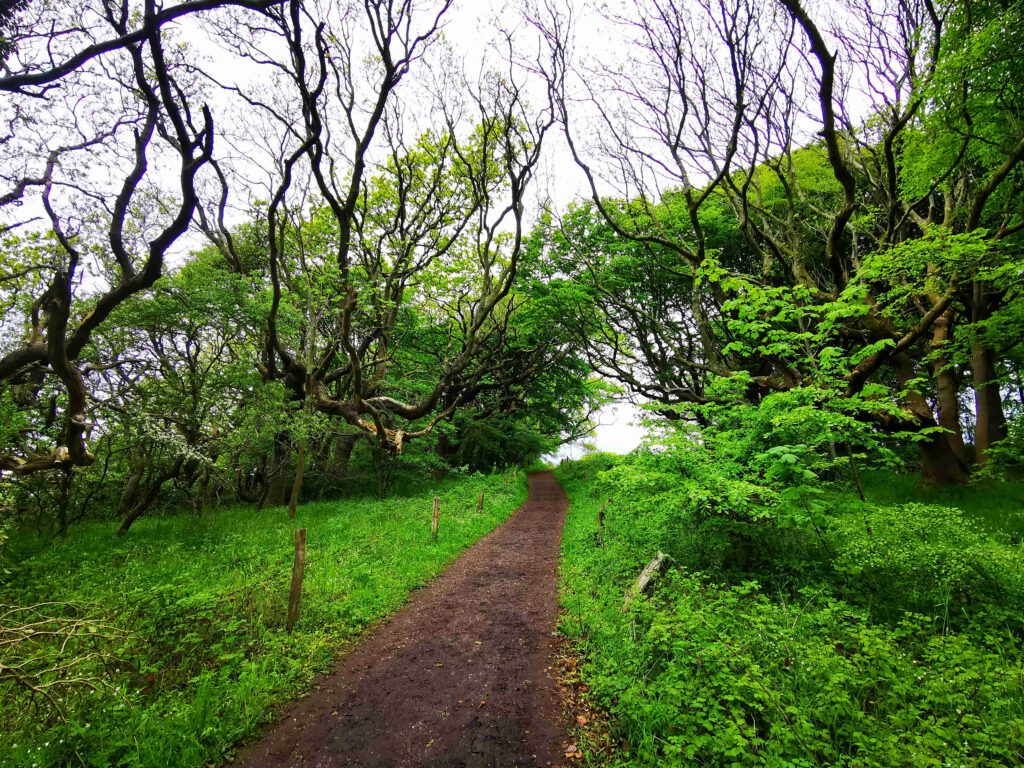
[[894, 643]]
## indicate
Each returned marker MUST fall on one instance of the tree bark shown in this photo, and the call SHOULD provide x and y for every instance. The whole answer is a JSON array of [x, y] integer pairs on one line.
[[149, 496], [940, 464], [343, 447], [990, 424], [947, 390], [199, 499], [63, 500], [131, 487], [298, 572], [300, 469], [277, 491]]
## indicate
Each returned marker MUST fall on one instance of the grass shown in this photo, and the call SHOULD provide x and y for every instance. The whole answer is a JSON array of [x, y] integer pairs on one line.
[[997, 506], [889, 638], [178, 628]]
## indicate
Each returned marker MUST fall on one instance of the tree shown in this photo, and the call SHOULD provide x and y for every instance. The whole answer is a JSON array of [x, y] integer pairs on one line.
[[126, 103], [853, 228], [386, 252]]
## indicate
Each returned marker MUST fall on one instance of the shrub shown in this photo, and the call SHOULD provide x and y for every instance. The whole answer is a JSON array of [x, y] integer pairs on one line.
[[893, 644]]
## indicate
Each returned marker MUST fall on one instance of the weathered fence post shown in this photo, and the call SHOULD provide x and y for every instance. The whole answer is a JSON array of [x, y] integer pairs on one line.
[[646, 575], [298, 571], [480, 503], [434, 519]]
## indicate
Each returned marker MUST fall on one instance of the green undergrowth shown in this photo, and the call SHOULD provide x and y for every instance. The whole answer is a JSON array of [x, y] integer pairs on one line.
[[998, 507], [884, 634], [177, 630]]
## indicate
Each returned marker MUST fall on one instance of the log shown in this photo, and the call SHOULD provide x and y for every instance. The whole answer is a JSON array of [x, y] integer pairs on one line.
[[434, 519], [298, 572], [644, 579]]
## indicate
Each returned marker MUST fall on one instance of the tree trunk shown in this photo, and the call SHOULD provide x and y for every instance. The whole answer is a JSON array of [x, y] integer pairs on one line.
[[149, 496], [277, 492], [948, 404], [343, 447], [251, 484], [947, 389], [300, 468], [940, 464], [199, 499], [134, 514], [298, 572], [990, 425], [63, 500], [131, 487]]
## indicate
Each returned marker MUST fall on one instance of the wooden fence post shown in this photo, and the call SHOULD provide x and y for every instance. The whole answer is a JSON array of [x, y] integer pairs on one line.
[[480, 503], [434, 519], [646, 575], [298, 571]]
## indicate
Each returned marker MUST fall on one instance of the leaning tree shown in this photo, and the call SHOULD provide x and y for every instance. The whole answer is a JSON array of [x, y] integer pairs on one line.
[[832, 195], [393, 204], [105, 133]]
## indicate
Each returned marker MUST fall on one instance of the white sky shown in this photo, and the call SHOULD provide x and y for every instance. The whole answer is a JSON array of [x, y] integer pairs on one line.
[[618, 431]]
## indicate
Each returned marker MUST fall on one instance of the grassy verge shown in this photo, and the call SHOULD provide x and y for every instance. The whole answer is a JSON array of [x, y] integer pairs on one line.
[[891, 636], [177, 630]]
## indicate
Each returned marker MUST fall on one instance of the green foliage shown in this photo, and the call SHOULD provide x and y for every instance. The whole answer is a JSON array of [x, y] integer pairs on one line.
[[998, 507], [200, 655], [973, 95], [856, 634], [934, 557], [12, 419]]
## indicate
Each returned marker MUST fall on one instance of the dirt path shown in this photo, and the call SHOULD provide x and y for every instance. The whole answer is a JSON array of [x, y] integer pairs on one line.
[[458, 677]]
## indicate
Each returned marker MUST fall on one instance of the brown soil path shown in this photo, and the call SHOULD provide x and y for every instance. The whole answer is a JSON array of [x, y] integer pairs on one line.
[[458, 677]]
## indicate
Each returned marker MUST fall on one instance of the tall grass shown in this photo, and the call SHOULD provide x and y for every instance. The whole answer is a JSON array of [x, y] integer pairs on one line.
[[997, 506], [188, 653]]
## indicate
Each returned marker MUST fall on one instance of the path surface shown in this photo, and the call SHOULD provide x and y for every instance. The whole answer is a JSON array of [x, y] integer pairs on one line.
[[458, 677]]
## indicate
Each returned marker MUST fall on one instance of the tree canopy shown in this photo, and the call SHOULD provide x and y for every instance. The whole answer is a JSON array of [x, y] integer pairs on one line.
[[221, 281]]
